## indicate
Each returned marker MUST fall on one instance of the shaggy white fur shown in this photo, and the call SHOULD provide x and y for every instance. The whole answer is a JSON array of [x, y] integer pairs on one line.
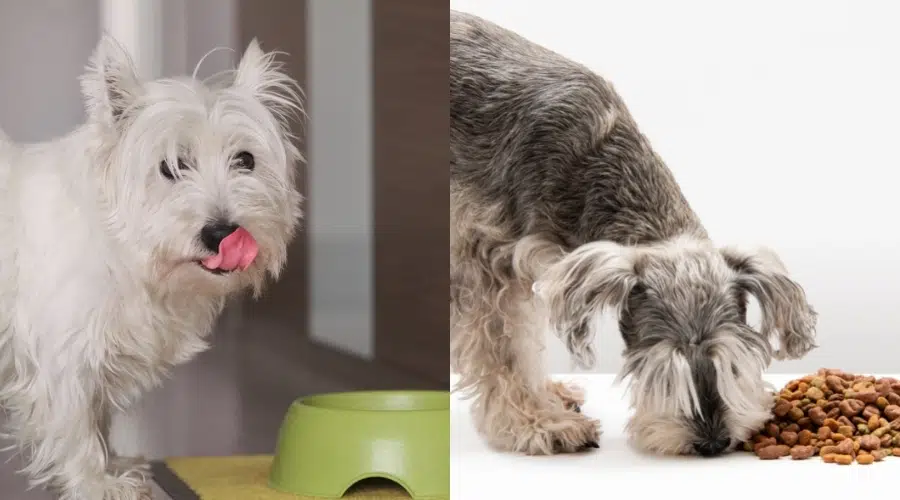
[[102, 287]]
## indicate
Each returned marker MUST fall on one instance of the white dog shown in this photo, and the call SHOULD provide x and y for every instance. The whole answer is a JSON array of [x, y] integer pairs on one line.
[[122, 241]]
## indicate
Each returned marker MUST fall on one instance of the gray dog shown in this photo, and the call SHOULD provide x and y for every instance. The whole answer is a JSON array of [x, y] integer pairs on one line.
[[559, 210]]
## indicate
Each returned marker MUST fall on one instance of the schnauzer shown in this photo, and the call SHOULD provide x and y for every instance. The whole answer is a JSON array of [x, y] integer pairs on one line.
[[560, 210], [124, 239]]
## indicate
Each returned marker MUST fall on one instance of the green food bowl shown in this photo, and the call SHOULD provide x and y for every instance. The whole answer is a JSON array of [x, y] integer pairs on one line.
[[330, 442]]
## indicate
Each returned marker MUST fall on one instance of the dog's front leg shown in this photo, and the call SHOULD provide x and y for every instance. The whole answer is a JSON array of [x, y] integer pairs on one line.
[[68, 450], [118, 464], [515, 406]]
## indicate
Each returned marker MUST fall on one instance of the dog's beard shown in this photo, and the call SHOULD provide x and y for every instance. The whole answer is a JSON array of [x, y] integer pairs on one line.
[[666, 403]]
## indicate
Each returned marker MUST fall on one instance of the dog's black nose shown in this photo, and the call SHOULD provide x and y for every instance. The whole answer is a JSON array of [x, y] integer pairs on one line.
[[712, 448], [213, 233]]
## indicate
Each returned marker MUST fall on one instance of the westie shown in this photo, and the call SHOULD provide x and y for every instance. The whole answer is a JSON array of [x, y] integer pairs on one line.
[[123, 240]]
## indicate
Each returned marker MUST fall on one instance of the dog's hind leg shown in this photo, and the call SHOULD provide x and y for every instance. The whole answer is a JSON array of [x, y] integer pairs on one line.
[[497, 339]]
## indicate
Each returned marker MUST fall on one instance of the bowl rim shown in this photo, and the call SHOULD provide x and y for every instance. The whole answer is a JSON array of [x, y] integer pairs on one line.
[[309, 401]]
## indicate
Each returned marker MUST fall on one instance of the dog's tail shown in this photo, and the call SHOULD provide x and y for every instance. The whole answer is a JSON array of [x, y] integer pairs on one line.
[[579, 287]]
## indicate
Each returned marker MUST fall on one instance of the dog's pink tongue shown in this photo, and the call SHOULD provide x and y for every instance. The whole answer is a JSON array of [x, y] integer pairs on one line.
[[237, 251]]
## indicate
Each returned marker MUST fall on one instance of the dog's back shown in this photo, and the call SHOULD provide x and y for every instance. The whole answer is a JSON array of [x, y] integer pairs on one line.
[[551, 144]]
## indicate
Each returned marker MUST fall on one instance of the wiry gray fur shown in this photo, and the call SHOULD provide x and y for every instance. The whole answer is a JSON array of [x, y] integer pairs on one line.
[[554, 190]]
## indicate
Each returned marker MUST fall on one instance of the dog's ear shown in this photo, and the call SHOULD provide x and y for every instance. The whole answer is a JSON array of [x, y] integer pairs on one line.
[[264, 77], [110, 84], [577, 288], [785, 311]]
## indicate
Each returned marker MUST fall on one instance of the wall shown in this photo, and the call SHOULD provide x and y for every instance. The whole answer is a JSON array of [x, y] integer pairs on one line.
[[779, 121], [44, 45]]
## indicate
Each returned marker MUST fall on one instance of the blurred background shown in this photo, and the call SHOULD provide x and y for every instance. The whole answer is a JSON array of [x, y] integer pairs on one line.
[[361, 304]]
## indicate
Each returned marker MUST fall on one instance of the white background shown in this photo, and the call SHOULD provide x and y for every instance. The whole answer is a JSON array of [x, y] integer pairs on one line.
[[780, 121]]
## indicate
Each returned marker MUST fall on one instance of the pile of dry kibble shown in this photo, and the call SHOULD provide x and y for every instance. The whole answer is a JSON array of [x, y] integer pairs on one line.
[[838, 416]]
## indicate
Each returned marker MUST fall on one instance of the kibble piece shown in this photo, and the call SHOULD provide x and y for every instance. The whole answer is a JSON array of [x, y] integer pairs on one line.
[[804, 438], [783, 406], [814, 393], [773, 452], [865, 459], [824, 433], [873, 422], [802, 452], [789, 438], [828, 450], [828, 458], [885, 441], [847, 409], [881, 402], [795, 414], [896, 452], [867, 396], [846, 430], [765, 443], [869, 443], [817, 415], [881, 431], [869, 411], [845, 447], [834, 383], [843, 459], [772, 429], [892, 412], [832, 424], [893, 398]]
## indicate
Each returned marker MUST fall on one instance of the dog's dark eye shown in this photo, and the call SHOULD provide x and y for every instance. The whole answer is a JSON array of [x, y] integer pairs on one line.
[[244, 161], [166, 170]]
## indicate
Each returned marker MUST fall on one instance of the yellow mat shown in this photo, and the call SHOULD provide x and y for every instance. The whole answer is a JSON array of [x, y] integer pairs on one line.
[[245, 478]]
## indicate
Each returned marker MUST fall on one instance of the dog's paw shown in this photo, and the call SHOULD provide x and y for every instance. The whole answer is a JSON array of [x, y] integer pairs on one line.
[[573, 435], [571, 395], [545, 422], [132, 484], [555, 432]]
